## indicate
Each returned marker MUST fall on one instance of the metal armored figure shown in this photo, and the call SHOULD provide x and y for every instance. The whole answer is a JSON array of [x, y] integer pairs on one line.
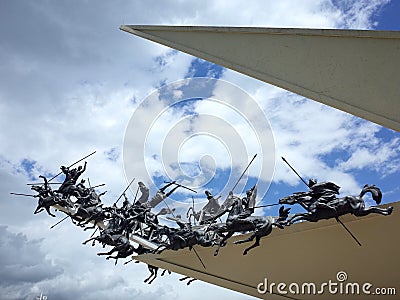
[[322, 193], [249, 202], [71, 177]]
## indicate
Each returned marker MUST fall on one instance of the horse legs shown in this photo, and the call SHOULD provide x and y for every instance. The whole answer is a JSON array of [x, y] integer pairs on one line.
[[38, 209], [96, 221], [91, 239], [113, 257], [376, 210], [83, 222], [123, 251], [217, 250], [165, 270], [155, 276], [48, 211], [256, 244], [41, 207], [160, 249], [90, 227], [153, 273], [222, 243], [298, 217], [249, 239], [73, 222], [187, 277], [108, 253]]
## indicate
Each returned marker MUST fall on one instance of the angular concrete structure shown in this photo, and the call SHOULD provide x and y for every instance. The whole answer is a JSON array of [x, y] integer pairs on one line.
[[302, 253], [351, 70]]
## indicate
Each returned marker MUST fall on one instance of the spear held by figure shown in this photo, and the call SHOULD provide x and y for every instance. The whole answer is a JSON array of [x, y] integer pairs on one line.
[[248, 165], [180, 185], [72, 165], [124, 191], [26, 195]]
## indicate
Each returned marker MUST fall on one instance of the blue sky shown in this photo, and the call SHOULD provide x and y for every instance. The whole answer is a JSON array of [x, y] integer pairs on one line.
[[71, 84], [388, 17]]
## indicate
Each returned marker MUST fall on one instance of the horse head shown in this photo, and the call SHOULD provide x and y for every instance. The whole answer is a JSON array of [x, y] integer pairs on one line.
[[289, 200], [300, 198]]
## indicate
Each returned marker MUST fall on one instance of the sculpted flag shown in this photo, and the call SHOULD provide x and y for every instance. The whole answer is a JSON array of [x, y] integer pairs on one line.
[[145, 192], [157, 198], [210, 209]]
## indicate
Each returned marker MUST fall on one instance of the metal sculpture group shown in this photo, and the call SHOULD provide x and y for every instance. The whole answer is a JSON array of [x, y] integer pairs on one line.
[[135, 221]]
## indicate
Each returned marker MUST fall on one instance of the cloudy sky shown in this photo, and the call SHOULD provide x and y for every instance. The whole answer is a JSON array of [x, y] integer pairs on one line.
[[72, 82]]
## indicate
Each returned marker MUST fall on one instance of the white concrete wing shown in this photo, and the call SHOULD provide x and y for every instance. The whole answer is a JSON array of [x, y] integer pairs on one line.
[[352, 70]]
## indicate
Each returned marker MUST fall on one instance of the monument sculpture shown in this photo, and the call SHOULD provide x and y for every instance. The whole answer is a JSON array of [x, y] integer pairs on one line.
[[117, 226]]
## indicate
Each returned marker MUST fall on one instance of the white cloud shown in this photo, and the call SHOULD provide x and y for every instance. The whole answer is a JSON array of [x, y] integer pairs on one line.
[[382, 158]]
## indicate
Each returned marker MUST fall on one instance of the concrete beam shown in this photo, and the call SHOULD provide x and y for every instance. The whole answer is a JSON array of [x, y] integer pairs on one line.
[[355, 71], [304, 252]]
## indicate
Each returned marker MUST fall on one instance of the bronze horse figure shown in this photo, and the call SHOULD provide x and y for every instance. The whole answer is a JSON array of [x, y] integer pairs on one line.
[[333, 209], [235, 222], [123, 248], [181, 238], [48, 197]]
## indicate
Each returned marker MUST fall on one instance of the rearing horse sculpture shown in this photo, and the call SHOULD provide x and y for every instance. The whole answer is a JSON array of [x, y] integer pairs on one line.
[[317, 210]]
